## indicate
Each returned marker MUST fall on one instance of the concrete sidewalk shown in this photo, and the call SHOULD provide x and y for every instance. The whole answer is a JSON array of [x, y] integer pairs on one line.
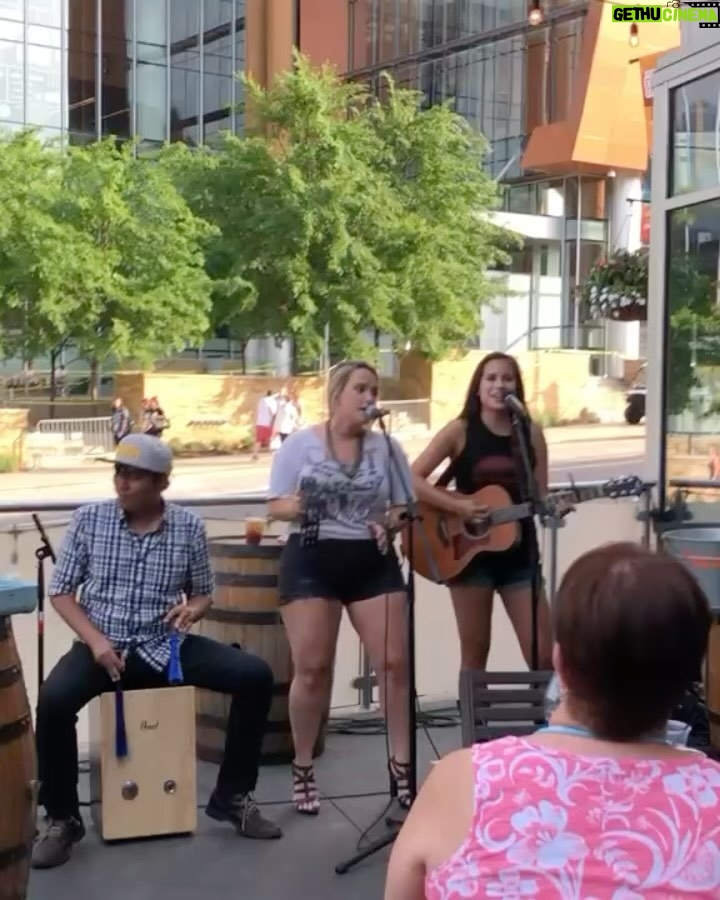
[[414, 442], [580, 434]]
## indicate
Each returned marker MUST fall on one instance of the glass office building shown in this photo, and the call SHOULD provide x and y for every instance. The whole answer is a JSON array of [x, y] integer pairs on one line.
[[480, 54], [505, 78], [158, 70]]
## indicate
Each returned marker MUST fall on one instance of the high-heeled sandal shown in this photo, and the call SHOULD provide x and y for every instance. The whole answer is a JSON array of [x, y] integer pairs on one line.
[[306, 796], [400, 780]]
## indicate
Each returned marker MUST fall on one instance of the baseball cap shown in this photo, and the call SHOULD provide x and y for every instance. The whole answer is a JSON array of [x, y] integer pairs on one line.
[[143, 451]]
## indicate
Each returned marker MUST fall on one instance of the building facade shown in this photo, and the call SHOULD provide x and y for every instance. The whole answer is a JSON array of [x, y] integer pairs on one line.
[[561, 106], [683, 410], [159, 70], [153, 70]]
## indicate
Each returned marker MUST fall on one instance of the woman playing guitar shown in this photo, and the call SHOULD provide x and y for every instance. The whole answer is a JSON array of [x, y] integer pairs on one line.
[[482, 449]]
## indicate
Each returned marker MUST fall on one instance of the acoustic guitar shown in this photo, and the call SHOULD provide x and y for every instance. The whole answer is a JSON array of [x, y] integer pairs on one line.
[[443, 543]]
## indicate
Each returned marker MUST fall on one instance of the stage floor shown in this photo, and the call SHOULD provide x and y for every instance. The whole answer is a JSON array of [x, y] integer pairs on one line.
[[215, 862]]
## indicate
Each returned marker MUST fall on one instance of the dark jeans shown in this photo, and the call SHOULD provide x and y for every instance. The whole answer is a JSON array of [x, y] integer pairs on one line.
[[77, 679]]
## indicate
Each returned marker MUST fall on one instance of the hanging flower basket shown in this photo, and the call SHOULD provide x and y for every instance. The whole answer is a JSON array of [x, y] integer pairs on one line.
[[617, 288]]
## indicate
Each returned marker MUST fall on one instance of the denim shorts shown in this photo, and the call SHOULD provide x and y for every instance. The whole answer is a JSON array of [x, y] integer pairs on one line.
[[511, 568], [344, 570]]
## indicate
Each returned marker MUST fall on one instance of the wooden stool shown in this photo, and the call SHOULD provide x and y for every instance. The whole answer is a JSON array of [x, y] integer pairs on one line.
[[153, 790]]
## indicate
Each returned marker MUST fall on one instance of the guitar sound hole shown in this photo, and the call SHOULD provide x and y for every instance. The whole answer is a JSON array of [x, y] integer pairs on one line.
[[477, 529]]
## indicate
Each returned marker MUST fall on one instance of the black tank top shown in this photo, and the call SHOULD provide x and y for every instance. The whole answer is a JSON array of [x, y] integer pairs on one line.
[[488, 458]]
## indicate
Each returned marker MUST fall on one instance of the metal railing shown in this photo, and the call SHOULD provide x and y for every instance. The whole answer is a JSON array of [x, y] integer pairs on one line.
[[72, 437], [408, 416], [596, 522]]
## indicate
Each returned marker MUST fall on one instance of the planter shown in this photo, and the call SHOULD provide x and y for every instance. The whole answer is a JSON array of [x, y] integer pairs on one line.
[[617, 288], [632, 313]]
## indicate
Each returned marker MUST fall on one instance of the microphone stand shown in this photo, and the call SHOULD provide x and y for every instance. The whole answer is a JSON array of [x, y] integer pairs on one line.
[[529, 487], [43, 552], [410, 517]]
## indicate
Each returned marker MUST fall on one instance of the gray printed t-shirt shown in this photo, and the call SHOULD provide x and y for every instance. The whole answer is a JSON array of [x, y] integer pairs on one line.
[[350, 502]]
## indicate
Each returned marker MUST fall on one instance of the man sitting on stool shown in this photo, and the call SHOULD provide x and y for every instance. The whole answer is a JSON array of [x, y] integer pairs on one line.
[[144, 568]]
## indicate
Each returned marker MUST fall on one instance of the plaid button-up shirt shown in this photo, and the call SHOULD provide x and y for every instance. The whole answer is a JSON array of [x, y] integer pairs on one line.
[[127, 582]]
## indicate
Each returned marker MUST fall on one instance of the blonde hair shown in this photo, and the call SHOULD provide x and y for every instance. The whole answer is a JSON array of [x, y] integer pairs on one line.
[[339, 377]]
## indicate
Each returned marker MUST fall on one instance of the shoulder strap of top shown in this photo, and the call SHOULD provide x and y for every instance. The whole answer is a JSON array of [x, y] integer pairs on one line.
[[471, 435]]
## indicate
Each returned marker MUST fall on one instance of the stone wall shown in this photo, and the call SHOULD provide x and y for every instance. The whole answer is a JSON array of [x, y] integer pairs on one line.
[[13, 428], [558, 385], [222, 404]]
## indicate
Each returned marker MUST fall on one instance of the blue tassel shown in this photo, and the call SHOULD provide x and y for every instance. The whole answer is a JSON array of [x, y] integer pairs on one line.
[[121, 745], [175, 672]]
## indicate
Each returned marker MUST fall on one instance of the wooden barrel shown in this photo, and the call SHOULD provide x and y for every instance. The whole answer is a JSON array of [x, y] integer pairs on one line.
[[245, 612], [712, 683], [18, 772]]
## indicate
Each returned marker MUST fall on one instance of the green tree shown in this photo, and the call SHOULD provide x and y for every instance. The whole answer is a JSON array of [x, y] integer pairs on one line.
[[37, 261], [142, 291], [338, 211], [444, 242]]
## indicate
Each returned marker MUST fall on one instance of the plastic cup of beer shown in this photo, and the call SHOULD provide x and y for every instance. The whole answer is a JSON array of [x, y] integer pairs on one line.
[[254, 530]]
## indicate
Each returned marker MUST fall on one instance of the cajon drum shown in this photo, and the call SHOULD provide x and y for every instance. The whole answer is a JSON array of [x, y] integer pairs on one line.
[[153, 790]]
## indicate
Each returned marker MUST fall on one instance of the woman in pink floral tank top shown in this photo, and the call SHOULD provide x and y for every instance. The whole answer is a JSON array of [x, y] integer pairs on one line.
[[597, 806]]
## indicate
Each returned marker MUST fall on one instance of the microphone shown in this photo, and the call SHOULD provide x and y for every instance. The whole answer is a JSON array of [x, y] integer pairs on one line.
[[373, 412], [513, 405]]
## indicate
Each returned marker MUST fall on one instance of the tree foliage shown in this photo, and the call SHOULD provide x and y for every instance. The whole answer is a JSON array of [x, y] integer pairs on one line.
[[98, 248], [336, 209], [144, 290]]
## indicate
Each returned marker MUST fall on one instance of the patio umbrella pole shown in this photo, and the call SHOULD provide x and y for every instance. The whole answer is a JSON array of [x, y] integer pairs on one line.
[[410, 517]]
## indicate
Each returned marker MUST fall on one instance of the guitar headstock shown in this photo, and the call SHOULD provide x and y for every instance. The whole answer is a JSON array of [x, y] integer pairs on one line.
[[625, 486], [558, 505]]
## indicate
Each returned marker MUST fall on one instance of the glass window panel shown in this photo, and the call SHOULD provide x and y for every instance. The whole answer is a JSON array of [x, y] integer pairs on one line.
[[185, 97], [11, 31], [185, 22], [185, 72], [454, 12], [520, 198], [44, 87], [406, 27], [695, 116], [44, 37], [116, 26], [361, 31], [592, 198], [12, 9], [82, 64], [217, 96], [151, 102], [151, 31], [11, 82], [427, 24], [387, 37], [565, 38], [217, 13], [45, 12], [239, 67], [693, 349]]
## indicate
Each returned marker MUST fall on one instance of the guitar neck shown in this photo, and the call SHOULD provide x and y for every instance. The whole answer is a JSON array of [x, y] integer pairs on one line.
[[511, 513], [582, 495]]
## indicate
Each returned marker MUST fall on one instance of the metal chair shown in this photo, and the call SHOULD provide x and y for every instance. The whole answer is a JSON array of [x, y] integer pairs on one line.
[[498, 704]]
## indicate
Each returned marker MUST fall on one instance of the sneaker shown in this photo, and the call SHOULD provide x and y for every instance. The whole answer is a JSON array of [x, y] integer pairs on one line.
[[54, 844], [242, 811]]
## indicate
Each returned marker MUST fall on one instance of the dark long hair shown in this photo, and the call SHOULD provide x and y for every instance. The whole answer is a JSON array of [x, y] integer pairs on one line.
[[472, 400]]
